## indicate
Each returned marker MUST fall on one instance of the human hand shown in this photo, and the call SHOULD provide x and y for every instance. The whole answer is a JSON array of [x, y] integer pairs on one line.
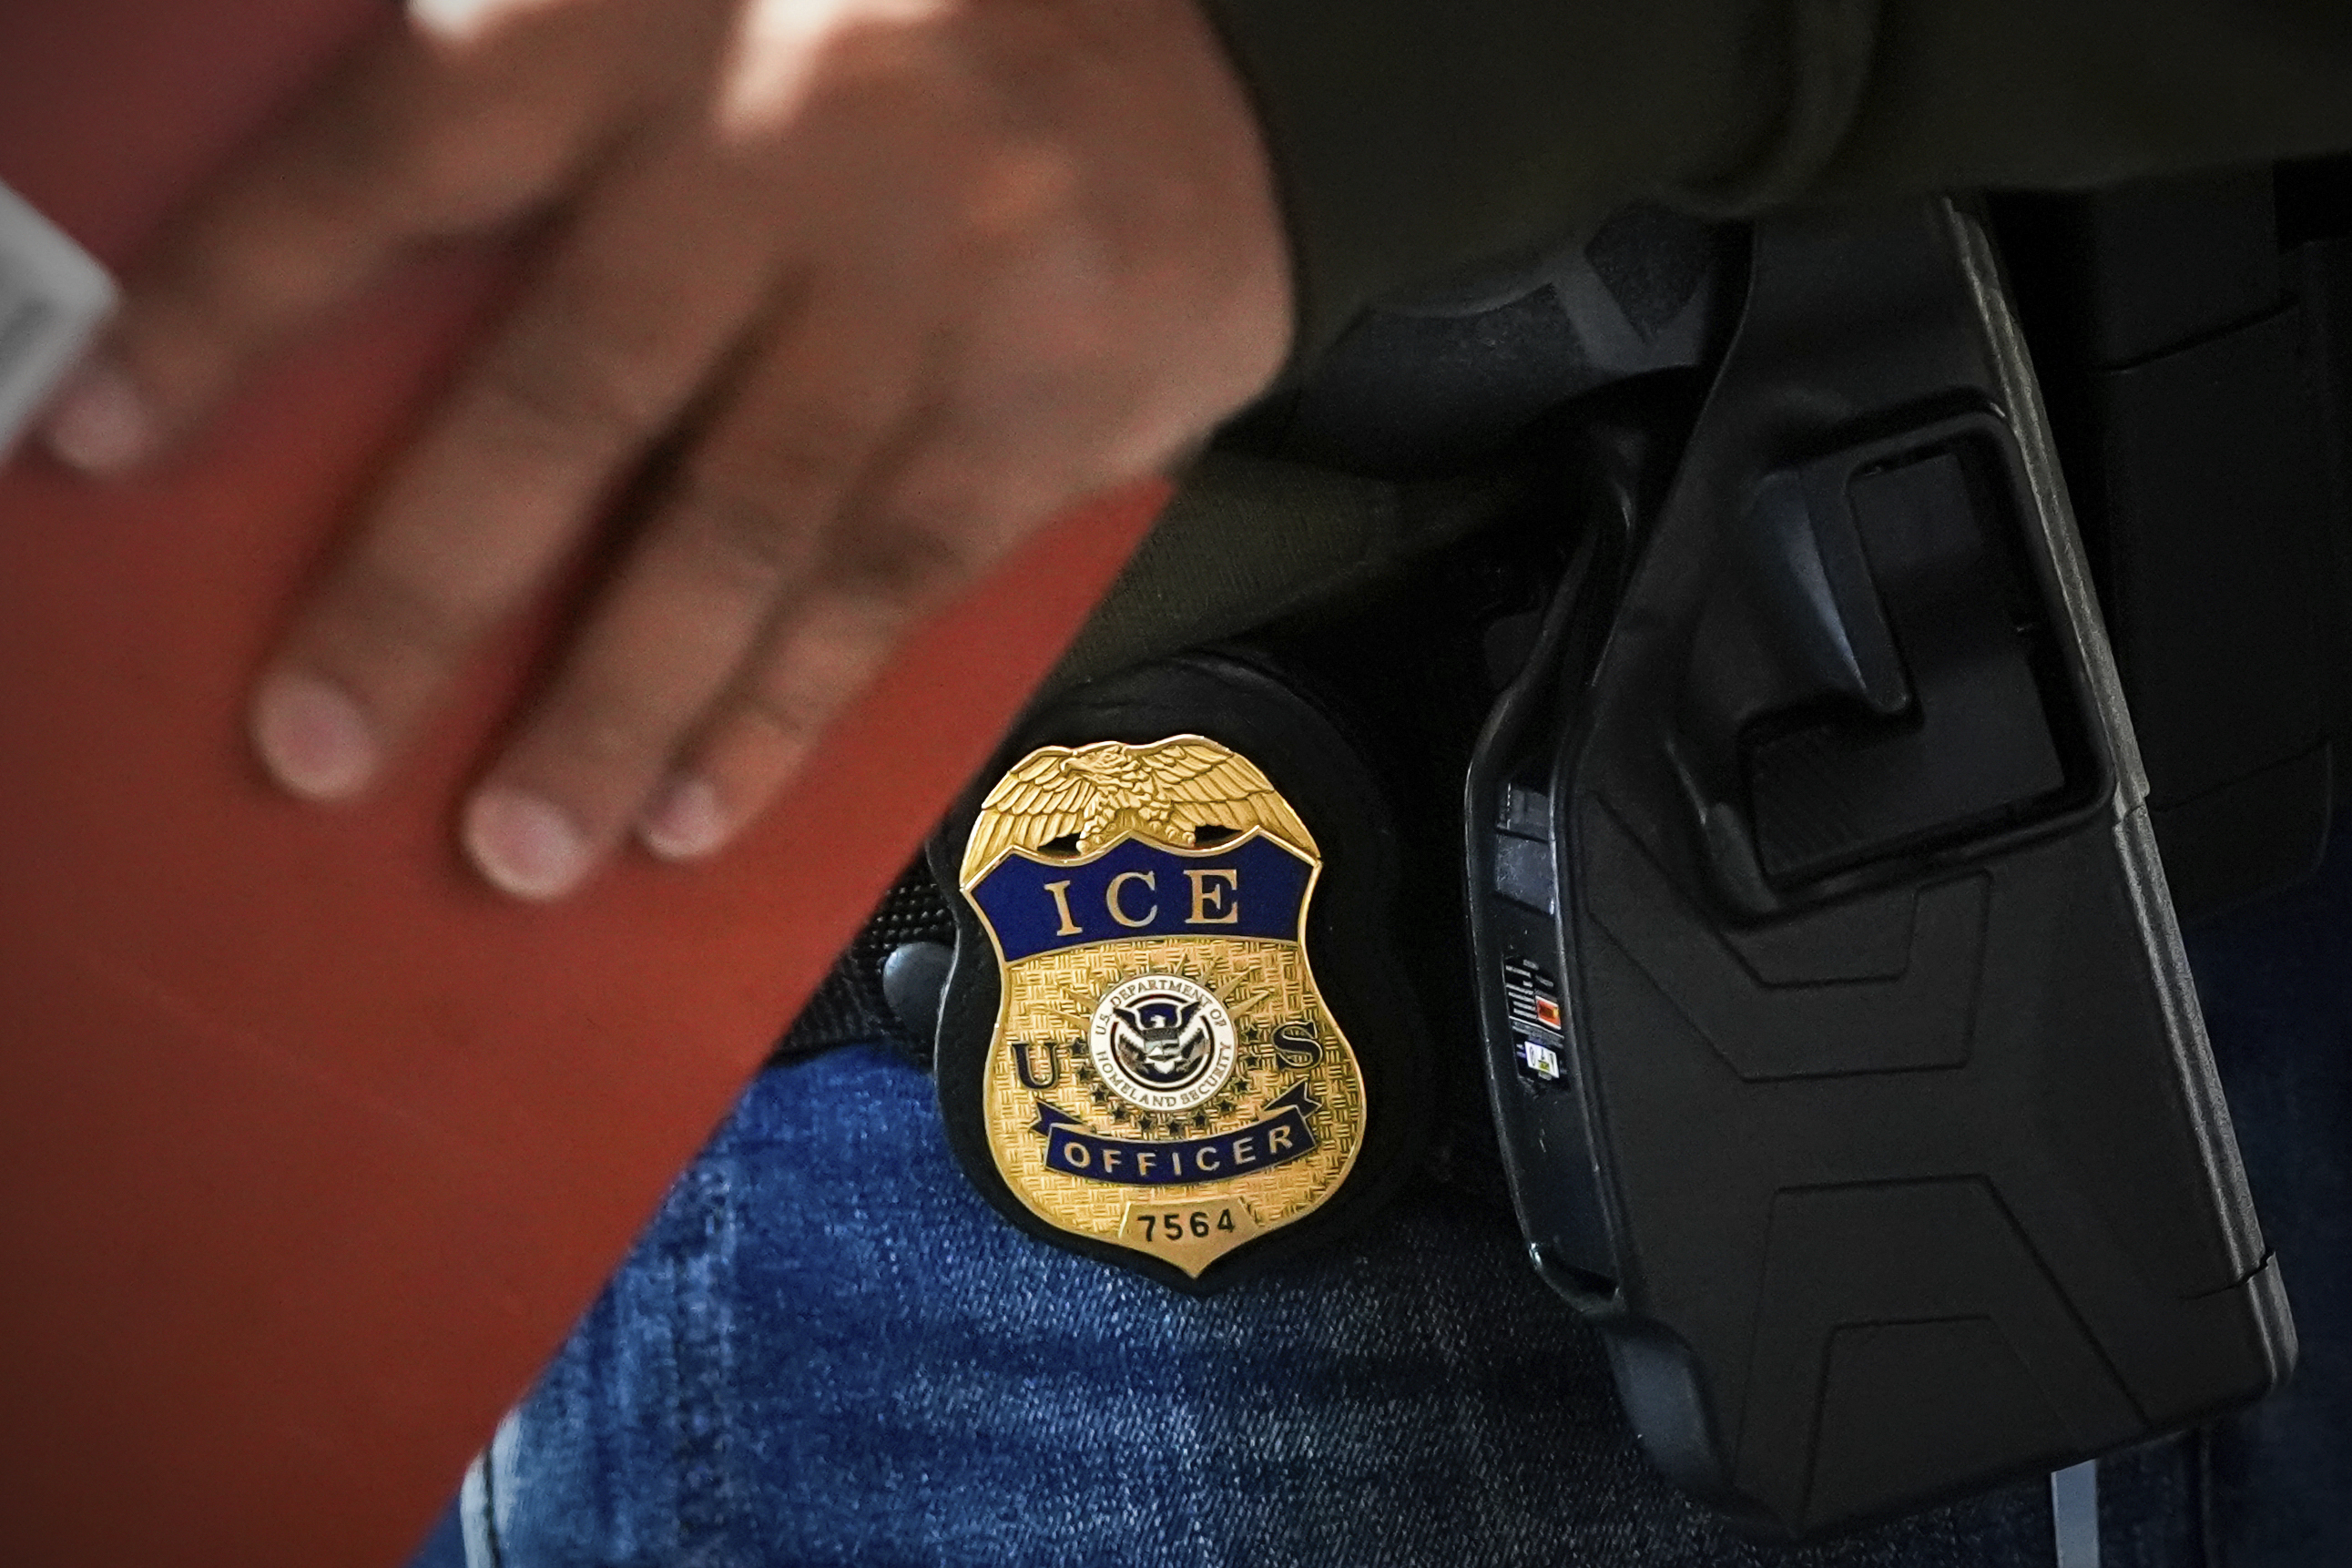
[[902, 277]]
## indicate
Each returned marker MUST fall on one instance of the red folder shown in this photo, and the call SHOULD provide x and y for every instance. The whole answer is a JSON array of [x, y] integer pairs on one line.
[[312, 1147]]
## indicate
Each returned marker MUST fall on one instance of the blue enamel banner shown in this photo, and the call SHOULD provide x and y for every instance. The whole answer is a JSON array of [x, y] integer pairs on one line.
[[1270, 1140], [1136, 890]]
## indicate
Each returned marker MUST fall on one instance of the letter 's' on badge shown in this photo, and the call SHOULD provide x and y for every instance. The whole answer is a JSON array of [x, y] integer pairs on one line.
[[1137, 1058]]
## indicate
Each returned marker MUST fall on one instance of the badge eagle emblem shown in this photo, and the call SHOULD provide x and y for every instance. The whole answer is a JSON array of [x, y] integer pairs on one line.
[[1164, 1075]]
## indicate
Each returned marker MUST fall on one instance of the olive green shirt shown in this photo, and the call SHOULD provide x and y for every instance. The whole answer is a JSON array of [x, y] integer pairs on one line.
[[1418, 143], [1413, 139]]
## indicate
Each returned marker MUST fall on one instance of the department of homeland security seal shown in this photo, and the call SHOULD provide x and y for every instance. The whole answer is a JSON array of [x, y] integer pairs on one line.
[[1164, 1075]]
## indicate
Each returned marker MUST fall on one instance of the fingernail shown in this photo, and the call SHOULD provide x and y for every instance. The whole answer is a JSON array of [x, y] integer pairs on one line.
[[99, 422], [312, 737], [685, 822], [524, 845]]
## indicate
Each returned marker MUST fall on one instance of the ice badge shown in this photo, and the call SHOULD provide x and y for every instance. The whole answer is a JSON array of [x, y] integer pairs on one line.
[[1163, 1074]]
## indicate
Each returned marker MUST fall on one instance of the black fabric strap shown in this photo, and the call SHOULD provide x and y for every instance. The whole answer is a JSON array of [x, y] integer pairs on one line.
[[849, 1007]]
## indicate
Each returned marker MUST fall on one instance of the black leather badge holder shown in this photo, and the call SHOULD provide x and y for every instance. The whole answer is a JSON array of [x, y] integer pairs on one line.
[[1844, 1054], [1177, 1035]]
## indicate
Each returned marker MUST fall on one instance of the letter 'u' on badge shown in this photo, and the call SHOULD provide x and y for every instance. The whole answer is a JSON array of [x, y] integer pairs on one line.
[[1164, 1074]]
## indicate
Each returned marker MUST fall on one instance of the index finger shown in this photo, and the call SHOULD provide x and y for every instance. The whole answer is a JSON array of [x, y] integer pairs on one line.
[[635, 312], [408, 140]]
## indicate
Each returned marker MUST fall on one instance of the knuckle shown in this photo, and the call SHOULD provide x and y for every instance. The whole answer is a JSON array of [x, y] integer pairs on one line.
[[1019, 187], [439, 175], [607, 722], [562, 392], [907, 557], [810, 449], [786, 712], [735, 527], [485, 151], [401, 612], [429, 142]]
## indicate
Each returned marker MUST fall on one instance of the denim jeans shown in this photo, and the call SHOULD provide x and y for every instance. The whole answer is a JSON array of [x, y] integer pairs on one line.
[[826, 1349]]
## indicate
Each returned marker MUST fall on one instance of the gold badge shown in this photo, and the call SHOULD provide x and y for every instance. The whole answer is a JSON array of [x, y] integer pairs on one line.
[[1163, 1074]]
